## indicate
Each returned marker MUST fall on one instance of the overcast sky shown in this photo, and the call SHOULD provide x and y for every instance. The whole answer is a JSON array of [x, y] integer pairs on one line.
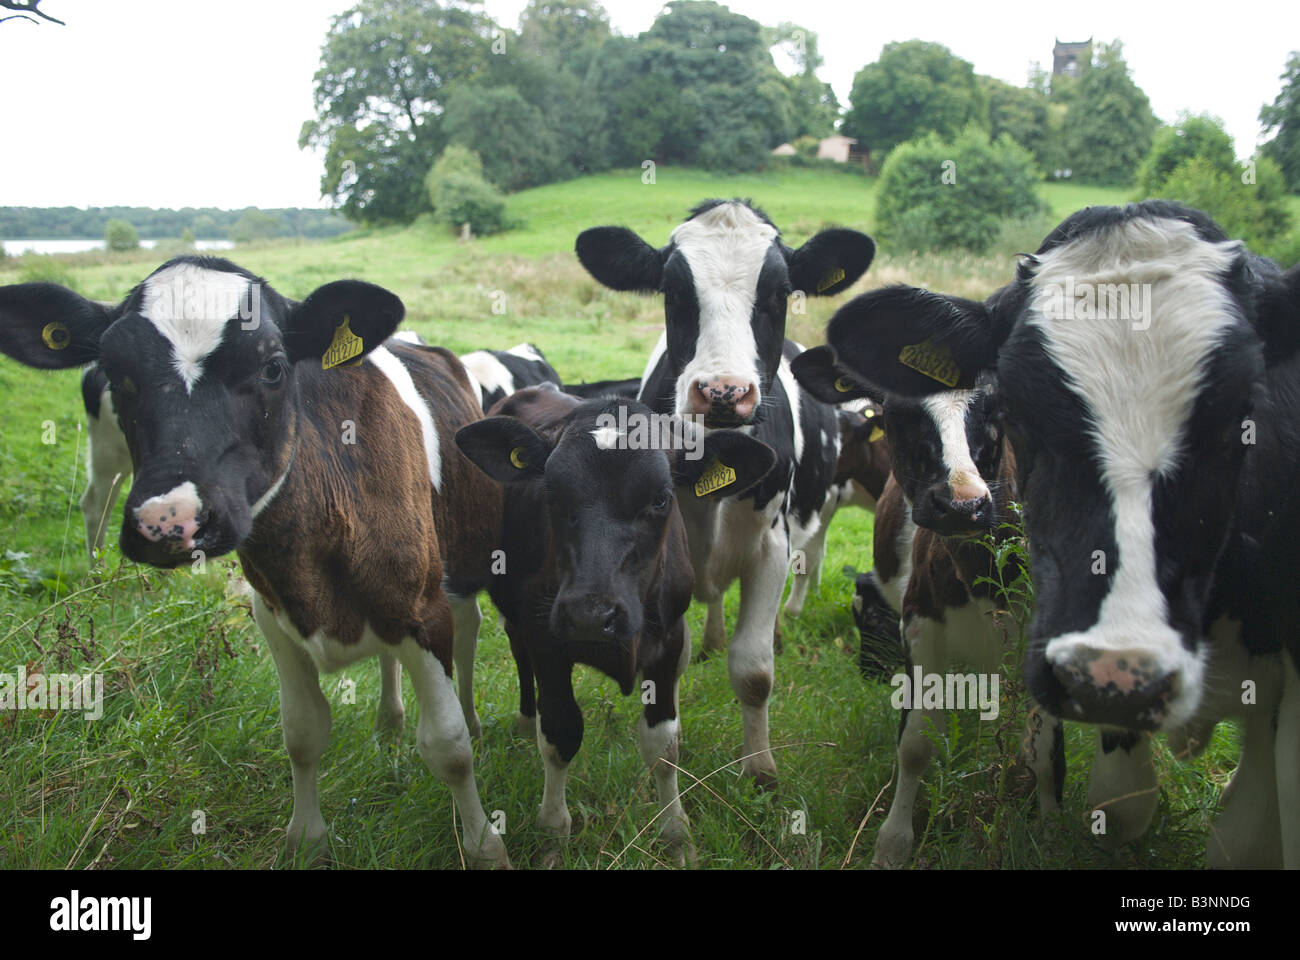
[[170, 103]]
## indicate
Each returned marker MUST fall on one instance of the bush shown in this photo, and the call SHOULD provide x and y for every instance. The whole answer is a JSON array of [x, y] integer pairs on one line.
[[935, 195], [120, 235], [1254, 212], [455, 159], [1172, 146], [44, 268], [462, 198]]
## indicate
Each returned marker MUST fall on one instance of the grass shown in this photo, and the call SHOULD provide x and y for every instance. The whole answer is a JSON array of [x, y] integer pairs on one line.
[[190, 731]]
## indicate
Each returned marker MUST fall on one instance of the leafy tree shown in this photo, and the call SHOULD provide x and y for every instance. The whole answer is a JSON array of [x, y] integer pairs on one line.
[[1020, 113], [516, 143], [914, 88], [254, 225], [187, 237], [460, 198], [936, 194], [559, 29], [1283, 115], [1192, 136], [386, 67], [1109, 124], [455, 159], [1254, 212], [120, 235], [816, 108]]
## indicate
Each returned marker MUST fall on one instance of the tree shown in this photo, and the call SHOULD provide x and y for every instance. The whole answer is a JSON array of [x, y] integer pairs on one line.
[[514, 140], [816, 108], [913, 89], [1192, 136], [1283, 115], [1109, 124], [386, 67], [558, 29], [936, 194], [120, 235], [1254, 212], [254, 225], [1020, 113]]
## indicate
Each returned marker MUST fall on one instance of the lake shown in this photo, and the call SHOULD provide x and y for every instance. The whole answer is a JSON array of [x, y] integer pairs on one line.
[[17, 247]]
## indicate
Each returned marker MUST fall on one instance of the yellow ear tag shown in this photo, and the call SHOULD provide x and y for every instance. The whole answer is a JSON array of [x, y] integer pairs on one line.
[[876, 434], [518, 462], [832, 278], [844, 384], [56, 336], [932, 360], [715, 476], [343, 347]]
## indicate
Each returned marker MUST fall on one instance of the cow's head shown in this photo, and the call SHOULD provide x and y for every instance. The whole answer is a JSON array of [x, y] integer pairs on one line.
[[610, 492], [1128, 352], [726, 277], [945, 449], [202, 362]]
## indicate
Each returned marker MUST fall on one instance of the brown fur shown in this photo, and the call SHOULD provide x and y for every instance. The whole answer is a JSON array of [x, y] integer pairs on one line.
[[862, 460]]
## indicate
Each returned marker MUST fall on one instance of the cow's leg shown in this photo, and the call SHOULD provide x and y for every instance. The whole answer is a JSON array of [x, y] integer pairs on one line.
[[443, 740], [659, 735], [750, 657], [526, 724], [1045, 751], [1247, 834], [465, 620], [1123, 785], [808, 566], [305, 717], [392, 712], [559, 734], [1287, 763], [715, 628], [108, 464], [927, 649]]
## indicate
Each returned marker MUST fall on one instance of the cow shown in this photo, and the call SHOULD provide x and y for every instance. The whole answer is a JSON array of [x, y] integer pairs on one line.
[[629, 388], [501, 372], [723, 360], [1149, 374], [292, 434], [597, 568], [955, 483]]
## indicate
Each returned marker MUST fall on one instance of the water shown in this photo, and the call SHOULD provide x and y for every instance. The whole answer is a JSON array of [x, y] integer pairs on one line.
[[16, 248]]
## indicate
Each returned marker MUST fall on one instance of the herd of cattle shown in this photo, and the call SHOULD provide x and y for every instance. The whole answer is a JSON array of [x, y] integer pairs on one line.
[[373, 485]]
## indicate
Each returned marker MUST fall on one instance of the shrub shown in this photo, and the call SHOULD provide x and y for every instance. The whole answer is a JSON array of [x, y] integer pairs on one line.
[[120, 235], [1253, 212], [44, 268], [461, 198], [455, 159], [1172, 146], [934, 195]]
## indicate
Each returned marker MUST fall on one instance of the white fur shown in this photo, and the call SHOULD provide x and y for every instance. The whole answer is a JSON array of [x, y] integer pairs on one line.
[[525, 351], [489, 372], [1138, 387], [108, 464], [265, 499], [948, 412], [725, 248], [189, 305], [400, 377]]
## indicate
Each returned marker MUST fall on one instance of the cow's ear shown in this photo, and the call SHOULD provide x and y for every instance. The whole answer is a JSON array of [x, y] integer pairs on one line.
[[730, 463], [620, 259], [505, 448], [831, 262], [48, 326], [913, 342], [341, 321], [828, 381], [1278, 317]]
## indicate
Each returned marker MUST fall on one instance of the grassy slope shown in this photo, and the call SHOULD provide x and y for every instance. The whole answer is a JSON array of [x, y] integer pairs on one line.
[[192, 716]]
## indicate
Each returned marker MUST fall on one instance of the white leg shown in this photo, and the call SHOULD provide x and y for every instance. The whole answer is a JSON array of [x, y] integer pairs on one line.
[[813, 552], [444, 743], [750, 657], [392, 712], [1287, 764], [1123, 786], [927, 646], [108, 464], [715, 627], [1247, 833], [305, 716], [662, 742], [553, 818], [465, 618]]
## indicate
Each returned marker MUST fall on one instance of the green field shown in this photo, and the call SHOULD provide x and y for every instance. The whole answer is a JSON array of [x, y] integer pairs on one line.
[[191, 721]]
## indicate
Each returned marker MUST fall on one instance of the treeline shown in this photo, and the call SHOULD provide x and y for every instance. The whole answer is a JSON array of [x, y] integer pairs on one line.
[[203, 223]]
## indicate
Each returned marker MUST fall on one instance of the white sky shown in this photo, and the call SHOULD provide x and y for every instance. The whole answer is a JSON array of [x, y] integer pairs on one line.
[[170, 103]]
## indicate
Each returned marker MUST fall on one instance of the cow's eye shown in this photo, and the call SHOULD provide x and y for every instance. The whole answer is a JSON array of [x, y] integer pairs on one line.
[[662, 501], [273, 372]]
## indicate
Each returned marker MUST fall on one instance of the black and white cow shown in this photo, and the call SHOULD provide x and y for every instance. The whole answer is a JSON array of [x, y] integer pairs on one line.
[[1149, 370], [598, 570], [292, 433], [501, 372], [629, 388], [723, 359]]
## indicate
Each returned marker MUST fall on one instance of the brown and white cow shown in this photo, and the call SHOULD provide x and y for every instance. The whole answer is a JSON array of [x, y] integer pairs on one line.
[[292, 433]]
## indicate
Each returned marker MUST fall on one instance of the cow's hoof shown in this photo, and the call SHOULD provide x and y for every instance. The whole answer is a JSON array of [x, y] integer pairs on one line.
[[307, 843], [490, 854]]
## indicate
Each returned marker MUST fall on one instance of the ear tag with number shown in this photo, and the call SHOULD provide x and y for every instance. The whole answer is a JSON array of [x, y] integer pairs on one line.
[[516, 459], [715, 476], [876, 434], [832, 278], [343, 347], [934, 361], [56, 336]]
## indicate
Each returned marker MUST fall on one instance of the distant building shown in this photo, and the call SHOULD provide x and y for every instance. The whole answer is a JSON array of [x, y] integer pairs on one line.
[[838, 148], [1069, 58], [785, 150]]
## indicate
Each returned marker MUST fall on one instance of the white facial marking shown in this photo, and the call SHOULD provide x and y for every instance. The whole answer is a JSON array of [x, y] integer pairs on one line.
[[725, 248], [491, 373], [1139, 387], [189, 305], [607, 438], [397, 373], [267, 497], [948, 412]]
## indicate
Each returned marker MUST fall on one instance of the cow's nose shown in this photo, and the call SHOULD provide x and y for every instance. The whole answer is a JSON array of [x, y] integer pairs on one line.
[[1122, 685], [593, 615], [177, 515], [726, 396], [952, 516]]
